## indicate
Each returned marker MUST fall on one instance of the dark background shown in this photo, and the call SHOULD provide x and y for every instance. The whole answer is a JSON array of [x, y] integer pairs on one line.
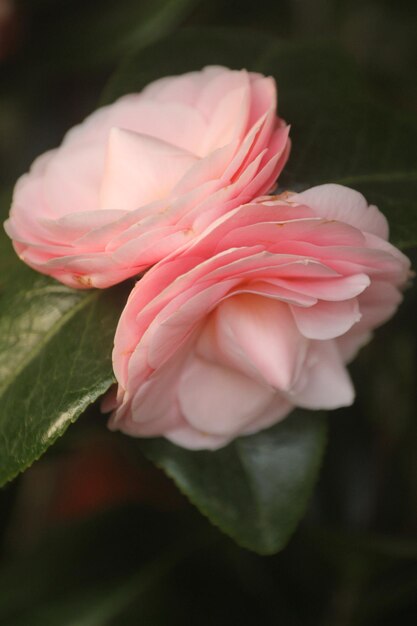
[[92, 536]]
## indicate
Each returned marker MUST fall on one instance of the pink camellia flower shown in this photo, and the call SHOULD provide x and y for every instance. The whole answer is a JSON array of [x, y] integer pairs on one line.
[[141, 177], [258, 315]]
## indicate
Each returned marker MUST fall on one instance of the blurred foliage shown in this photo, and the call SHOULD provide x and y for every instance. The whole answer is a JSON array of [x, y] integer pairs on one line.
[[110, 541]]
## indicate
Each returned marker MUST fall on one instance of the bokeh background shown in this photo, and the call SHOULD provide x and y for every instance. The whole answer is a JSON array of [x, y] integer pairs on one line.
[[93, 535]]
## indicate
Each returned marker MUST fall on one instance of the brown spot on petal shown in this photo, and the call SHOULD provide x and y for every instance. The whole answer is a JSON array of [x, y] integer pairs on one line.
[[85, 281], [203, 433], [283, 196]]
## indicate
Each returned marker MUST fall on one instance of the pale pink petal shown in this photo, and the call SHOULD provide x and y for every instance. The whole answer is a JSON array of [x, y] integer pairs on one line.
[[134, 163], [263, 96], [220, 85], [346, 205], [328, 288], [326, 383], [260, 331], [219, 400], [379, 303], [173, 122], [191, 438], [270, 289], [228, 120], [326, 320], [177, 328], [72, 178], [75, 225], [279, 408], [350, 344], [183, 88]]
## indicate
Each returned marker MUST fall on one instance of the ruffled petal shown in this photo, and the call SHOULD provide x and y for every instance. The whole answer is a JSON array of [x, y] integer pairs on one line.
[[336, 202]]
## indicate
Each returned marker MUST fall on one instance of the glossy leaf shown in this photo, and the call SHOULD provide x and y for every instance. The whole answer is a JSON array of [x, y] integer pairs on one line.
[[257, 488], [55, 357]]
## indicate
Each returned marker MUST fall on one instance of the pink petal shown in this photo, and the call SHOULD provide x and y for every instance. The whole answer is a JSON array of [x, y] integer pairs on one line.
[[325, 383], [183, 88], [193, 439], [329, 288], [228, 121], [337, 202], [214, 91], [263, 96], [378, 303], [274, 413], [326, 320], [219, 400], [72, 178], [174, 330], [260, 331], [350, 343], [133, 169]]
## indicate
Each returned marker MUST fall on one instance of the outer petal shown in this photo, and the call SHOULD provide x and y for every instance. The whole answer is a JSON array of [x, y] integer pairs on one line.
[[336, 202], [191, 438]]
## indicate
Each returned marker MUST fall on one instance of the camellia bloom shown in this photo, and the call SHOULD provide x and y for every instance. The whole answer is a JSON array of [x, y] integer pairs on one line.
[[258, 315], [141, 177]]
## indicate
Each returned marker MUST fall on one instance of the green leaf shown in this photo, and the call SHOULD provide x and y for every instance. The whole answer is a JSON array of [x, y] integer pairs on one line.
[[257, 488], [338, 133], [55, 357]]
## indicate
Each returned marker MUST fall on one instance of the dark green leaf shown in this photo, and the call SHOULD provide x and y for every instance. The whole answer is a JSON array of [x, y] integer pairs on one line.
[[257, 488], [55, 357]]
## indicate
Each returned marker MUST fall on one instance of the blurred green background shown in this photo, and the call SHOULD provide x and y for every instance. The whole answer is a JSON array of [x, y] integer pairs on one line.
[[92, 536]]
